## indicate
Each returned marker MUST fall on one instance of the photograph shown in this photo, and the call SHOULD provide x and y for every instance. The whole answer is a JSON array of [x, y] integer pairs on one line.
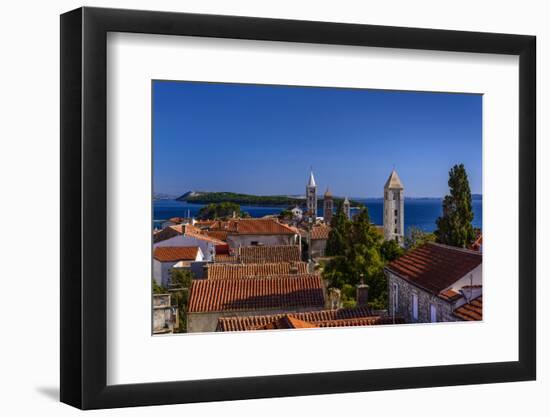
[[281, 207]]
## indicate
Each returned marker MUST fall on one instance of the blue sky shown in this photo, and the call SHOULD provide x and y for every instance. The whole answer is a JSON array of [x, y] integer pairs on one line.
[[263, 139]]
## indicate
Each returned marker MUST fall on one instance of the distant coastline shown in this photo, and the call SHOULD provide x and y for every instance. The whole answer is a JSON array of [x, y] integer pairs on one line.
[[205, 197]]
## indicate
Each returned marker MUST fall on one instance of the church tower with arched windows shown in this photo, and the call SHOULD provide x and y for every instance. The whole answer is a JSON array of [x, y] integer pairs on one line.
[[394, 218], [311, 196]]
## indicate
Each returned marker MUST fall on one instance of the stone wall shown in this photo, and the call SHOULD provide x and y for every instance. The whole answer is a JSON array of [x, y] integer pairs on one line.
[[425, 299]]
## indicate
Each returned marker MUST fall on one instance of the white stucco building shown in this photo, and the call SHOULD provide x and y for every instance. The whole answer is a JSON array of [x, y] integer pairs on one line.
[[167, 257]]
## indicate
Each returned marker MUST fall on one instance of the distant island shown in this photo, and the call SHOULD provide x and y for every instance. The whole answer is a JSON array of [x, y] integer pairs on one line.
[[200, 197]]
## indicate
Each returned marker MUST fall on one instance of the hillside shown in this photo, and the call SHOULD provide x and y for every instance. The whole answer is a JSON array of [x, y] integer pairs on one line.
[[200, 197]]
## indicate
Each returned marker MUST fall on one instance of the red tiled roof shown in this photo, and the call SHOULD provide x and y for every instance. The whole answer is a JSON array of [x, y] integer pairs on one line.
[[216, 234], [234, 271], [225, 258], [450, 295], [251, 322], [285, 322], [320, 232], [175, 253], [269, 254], [187, 230], [253, 227], [435, 267], [177, 219], [293, 291], [471, 311]]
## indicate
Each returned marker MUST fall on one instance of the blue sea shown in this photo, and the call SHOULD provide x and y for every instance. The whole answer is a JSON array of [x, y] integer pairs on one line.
[[421, 213]]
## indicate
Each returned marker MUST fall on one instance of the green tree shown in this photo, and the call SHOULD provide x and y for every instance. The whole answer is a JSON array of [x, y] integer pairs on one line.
[[355, 247], [455, 226], [157, 289], [221, 211], [286, 214], [338, 237], [416, 237], [390, 250], [180, 285]]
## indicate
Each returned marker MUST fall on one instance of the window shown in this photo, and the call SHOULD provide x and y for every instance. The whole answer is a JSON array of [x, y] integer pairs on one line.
[[414, 302], [395, 212], [395, 230], [433, 313], [254, 243], [395, 297], [396, 220]]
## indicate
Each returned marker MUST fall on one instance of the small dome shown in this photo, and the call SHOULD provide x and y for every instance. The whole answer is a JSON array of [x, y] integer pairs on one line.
[[328, 193]]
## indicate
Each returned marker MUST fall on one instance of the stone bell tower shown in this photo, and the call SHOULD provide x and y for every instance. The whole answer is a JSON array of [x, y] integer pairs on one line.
[[394, 217], [311, 197]]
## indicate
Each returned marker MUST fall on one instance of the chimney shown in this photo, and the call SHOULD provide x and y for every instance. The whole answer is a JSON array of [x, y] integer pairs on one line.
[[293, 268], [362, 293], [334, 299]]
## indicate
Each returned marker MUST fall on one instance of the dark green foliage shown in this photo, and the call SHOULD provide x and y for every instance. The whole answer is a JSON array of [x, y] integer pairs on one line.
[[286, 214], [355, 247], [222, 211], [157, 289], [417, 237], [179, 290], [249, 200], [455, 226], [339, 232], [390, 250]]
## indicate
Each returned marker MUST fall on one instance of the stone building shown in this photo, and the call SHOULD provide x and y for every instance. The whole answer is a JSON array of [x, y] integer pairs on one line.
[[165, 316], [394, 217], [328, 206], [435, 283], [311, 197]]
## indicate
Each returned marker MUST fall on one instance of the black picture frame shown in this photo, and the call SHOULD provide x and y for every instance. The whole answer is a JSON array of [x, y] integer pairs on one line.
[[84, 207]]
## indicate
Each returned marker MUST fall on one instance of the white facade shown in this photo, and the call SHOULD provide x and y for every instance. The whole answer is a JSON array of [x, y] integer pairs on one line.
[[394, 212], [207, 248], [161, 270], [297, 213]]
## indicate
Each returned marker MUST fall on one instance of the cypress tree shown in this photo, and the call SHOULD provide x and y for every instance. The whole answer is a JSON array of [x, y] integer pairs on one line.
[[455, 226]]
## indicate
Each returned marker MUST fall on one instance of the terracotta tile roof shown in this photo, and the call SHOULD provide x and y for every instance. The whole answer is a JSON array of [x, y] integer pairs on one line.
[[290, 291], [471, 311], [178, 219], [435, 267], [187, 230], [252, 322], [269, 254], [216, 234], [204, 223], [320, 232], [225, 258], [253, 227], [363, 321], [285, 322], [234, 271], [450, 295], [175, 253]]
